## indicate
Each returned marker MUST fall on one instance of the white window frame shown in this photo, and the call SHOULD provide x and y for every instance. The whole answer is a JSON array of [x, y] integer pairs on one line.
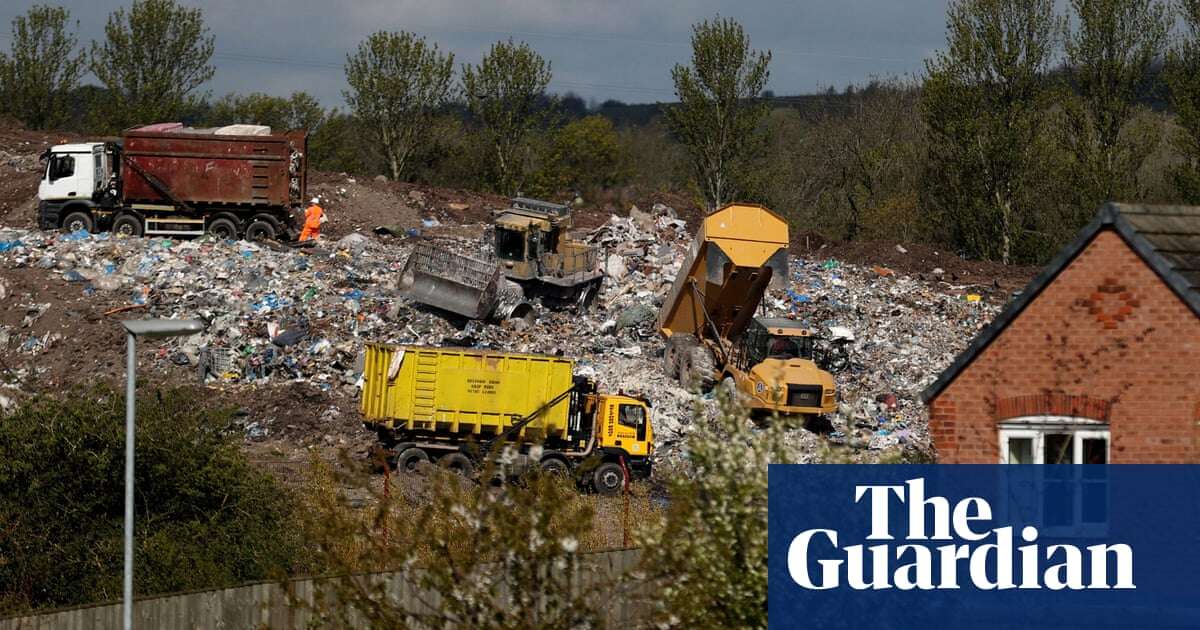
[[1035, 428]]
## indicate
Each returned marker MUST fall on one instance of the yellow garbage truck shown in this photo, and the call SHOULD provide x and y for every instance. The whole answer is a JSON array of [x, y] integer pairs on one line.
[[450, 405], [708, 318]]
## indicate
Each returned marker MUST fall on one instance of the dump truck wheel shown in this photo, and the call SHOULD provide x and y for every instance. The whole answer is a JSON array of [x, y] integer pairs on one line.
[[608, 478], [676, 353], [127, 225], [78, 221], [260, 230], [699, 372], [457, 463], [555, 466], [410, 459], [224, 229]]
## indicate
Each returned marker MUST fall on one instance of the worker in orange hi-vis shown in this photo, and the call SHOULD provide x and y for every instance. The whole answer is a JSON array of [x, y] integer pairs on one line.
[[314, 216]]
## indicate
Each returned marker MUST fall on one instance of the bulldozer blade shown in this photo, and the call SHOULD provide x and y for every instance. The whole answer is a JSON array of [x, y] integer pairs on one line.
[[452, 282]]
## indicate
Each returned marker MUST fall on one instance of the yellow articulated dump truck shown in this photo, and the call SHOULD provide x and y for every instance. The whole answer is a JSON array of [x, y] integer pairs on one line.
[[449, 405], [709, 318]]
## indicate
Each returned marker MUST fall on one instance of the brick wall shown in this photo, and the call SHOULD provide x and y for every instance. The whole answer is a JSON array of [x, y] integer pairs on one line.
[[1106, 340]]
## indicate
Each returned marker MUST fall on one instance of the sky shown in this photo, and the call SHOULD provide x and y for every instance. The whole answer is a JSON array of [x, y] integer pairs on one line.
[[598, 49]]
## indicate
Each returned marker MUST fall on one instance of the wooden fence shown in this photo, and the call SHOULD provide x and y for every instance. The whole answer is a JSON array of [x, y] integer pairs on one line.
[[290, 604]]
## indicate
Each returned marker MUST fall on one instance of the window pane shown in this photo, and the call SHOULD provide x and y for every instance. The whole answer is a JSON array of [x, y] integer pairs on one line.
[[510, 244], [631, 415], [1095, 451], [1020, 450], [1059, 448]]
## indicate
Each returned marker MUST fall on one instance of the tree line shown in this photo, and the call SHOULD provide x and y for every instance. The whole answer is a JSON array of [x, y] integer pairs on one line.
[[1027, 120]]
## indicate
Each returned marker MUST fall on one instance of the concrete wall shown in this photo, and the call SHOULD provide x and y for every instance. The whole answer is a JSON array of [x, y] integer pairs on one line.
[[271, 604], [1106, 340]]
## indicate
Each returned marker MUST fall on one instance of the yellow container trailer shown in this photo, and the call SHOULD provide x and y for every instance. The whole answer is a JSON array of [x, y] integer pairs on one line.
[[449, 404]]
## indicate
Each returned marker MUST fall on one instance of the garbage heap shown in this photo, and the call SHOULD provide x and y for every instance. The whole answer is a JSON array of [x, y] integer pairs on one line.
[[282, 315]]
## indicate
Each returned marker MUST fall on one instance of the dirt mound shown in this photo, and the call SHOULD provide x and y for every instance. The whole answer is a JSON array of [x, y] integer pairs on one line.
[[914, 259], [20, 171], [361, 204]]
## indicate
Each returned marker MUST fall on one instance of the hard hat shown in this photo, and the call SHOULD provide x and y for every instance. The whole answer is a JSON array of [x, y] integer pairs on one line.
[[316, 200]]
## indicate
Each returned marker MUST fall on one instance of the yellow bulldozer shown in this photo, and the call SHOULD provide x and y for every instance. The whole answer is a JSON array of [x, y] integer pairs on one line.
[[709, 320], [531, 257]]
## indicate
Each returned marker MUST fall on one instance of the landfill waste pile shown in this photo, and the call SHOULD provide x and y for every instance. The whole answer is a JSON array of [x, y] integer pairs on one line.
[[281, 316]]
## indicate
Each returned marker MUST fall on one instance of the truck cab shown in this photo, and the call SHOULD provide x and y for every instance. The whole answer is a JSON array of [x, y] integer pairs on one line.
[[774, 366], [74, 181]]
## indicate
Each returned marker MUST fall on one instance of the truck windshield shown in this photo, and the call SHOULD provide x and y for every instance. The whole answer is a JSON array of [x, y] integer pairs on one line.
[[785, 347], [510, 244], [60, 166], [631, 416]]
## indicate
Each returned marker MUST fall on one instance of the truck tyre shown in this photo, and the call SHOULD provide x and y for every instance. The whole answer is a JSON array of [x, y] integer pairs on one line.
[[261, 230], [676, 352], [223, 228], [127, 225], [608, 479], [729, 387], [78, 221], [700, 367], [555, 466], [457, 463], [410, 459]]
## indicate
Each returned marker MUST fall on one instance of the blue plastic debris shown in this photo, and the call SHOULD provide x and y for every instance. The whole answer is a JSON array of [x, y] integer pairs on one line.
[[77, 235]]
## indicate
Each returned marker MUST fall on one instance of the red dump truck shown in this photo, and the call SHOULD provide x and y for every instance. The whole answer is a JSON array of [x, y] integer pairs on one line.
[[171, 180]]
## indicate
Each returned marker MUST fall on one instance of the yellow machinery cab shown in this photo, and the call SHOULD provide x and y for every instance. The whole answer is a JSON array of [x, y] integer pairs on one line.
[[625, 424], [775, 357]]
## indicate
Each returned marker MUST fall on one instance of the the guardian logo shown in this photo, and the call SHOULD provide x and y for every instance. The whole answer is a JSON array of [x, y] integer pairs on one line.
[[987, 559]]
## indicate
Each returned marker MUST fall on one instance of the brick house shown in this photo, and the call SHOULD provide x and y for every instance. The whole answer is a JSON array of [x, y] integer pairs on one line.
[[1097, 360]]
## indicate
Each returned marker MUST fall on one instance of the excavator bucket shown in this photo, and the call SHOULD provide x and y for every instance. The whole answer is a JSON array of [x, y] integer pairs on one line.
[[453, 282]]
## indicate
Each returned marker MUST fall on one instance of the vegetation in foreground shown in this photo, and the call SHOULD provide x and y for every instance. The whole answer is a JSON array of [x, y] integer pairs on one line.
[[205, 517]]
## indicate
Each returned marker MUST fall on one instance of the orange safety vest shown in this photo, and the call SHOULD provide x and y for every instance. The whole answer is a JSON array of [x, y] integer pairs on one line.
[[312, 217]]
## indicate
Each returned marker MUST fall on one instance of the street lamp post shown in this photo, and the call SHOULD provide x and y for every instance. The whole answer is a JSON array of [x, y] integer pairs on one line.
[[153, 329]]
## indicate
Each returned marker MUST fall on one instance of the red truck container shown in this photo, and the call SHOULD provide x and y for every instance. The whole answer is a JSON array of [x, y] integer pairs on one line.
[[169, 180]]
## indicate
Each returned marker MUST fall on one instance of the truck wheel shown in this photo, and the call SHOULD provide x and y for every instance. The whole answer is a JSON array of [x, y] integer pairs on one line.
[[729, 387], [223, 228], [555, 466], [409, 459], [608, 478], [78, 221], [260, 230], [457, 463], [699, 373], [676, 352], [127, 225]]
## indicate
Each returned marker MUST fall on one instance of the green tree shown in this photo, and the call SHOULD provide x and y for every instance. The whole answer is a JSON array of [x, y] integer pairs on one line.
[[298, 111], [1109, 62], [583, 155], [505, 93], [152, 60], [205, 517], [398, 83], [718, 114], [983, 102], [1183, 77], [336, 146], [41, 68]]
